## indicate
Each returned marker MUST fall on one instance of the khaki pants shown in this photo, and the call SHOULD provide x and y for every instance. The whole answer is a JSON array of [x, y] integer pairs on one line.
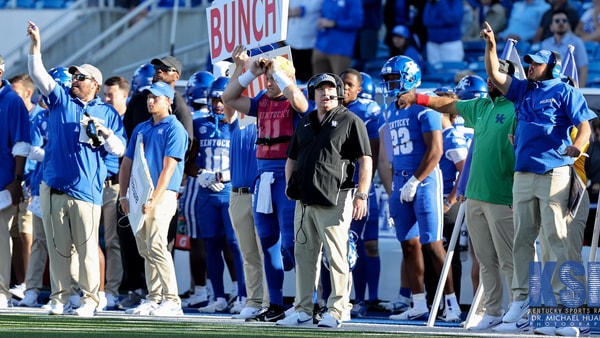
[[71, 224], [492, 233], [7, 216], [539, 200], [114, 265], [316, 227], [152, 244], [240, 212], [38, 257]]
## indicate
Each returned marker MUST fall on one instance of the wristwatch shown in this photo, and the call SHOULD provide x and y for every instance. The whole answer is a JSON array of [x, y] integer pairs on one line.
[[361, 195]]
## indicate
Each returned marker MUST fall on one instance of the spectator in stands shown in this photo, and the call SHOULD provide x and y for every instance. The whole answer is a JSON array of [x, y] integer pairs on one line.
[[367, 42], [338, 27], [491, 11], [521, 27], [401, 42], [543, 30], [303, 17], [443, 20], [588, 28], [394, 13], [561, 39]]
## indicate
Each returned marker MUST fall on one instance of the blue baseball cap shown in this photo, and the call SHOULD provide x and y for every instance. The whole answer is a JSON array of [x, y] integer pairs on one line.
[[402, 31], [161, 89], [543, 56]]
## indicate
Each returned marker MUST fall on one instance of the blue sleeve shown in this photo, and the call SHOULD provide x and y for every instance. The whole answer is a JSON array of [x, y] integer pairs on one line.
[[577, 108], [516, 90], [430, 121], [443, 13], [177, 143], [351, 18]]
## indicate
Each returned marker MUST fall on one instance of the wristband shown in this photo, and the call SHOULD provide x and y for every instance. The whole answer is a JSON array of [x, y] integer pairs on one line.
[[246, 78], [281, 79], [124, 198], [422, 100]]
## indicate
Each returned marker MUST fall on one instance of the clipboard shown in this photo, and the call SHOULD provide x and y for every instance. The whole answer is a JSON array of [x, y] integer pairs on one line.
[[140, 186], [576, 191]]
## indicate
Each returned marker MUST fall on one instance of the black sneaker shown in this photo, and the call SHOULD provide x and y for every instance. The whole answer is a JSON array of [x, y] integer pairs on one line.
[[318, 313], [375, 306], [273, 314], [259, 316]]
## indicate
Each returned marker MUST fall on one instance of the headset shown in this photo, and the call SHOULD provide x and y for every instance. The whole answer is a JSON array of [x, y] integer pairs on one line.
[[339, 86], [555, 65]]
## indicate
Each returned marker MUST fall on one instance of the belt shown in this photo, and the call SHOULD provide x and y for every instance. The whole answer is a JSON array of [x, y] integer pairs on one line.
[[241, 190], [114, 179], [55, 192]]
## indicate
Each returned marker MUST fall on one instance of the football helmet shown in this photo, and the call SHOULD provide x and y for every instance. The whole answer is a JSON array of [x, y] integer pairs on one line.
[[471, 86], [142, 78], [409, 76], [196, 90], [368, 89], [215, 92], [62, 76]]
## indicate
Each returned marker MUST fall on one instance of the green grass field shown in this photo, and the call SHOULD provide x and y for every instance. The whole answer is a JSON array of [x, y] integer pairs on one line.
[[41, 325]]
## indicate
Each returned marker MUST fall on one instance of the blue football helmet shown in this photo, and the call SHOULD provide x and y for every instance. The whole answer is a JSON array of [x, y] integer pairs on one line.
[[62, 76], [142, 78], [197, 88], [368, 89], [471, 86], [215, 92], [407, 69]]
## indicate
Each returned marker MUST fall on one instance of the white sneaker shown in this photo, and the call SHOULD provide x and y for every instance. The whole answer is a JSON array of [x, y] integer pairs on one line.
[[248, 313], [86, 310], [238, 305], [398, 304], [516, 311], [573, 331], [3, 302], [545, 330], [18, 291], [60, 309], [298, 318], [290, 311], [218, 305], [102, 301], [143, 309], [30, 299], [522, 325], [329, 321], [196, 300], [486, 322], [411, 314], [451, 314], [111, 301], [167, 308]]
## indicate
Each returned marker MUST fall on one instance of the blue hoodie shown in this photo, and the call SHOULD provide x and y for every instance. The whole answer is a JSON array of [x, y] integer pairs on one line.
[[348, 17], [443, 20]]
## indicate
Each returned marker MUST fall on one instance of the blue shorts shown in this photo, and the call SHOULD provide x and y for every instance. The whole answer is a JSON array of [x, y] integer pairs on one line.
[[423, 217], [368, 227], [281, 221]]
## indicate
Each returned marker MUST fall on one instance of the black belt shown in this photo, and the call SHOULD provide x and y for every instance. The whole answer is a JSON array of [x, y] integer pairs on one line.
[[241, 190], [55, 192], [114, 179]]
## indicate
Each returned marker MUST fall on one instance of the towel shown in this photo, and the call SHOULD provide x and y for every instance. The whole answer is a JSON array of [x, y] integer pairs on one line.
[[264, 203]]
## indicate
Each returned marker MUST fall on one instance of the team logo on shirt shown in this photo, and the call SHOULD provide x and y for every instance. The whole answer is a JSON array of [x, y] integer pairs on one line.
[[202, 130], [161, 131], [334, 123]]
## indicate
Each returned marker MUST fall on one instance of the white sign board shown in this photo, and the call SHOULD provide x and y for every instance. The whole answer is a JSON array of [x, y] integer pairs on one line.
[[252, 23], [140, 186]]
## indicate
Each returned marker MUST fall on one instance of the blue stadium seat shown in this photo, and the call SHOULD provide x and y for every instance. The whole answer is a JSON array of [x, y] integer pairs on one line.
[[591, 48], [474, 50], [28, 4], [56, 3]]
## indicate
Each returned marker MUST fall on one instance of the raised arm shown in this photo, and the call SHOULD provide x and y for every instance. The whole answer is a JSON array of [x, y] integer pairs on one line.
[[287, 86], [37, 71], [500, 80], [232, 96]]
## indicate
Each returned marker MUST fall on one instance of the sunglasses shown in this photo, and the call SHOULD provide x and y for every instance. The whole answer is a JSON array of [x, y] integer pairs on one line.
[[80, 77], [164, 69], [561, 20]]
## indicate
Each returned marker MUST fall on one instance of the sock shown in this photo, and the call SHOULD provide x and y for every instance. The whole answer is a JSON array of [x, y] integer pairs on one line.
[[405, 292], [451, 300], [374, 270], [419, 301]]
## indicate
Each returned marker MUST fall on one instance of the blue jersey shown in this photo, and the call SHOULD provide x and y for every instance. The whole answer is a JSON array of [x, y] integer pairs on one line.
[[242, 154], [39, 138], [71, 165], [14, 127], [30, 164], [546, 111], [455, 150], [166, 138], [406, 132], [368, 111], [213, 146]]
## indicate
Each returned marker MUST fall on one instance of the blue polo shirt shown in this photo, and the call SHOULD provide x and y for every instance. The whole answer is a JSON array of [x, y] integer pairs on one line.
[[14, 127], [166, 138], [546, 111], [242, 155], [71, 166]]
